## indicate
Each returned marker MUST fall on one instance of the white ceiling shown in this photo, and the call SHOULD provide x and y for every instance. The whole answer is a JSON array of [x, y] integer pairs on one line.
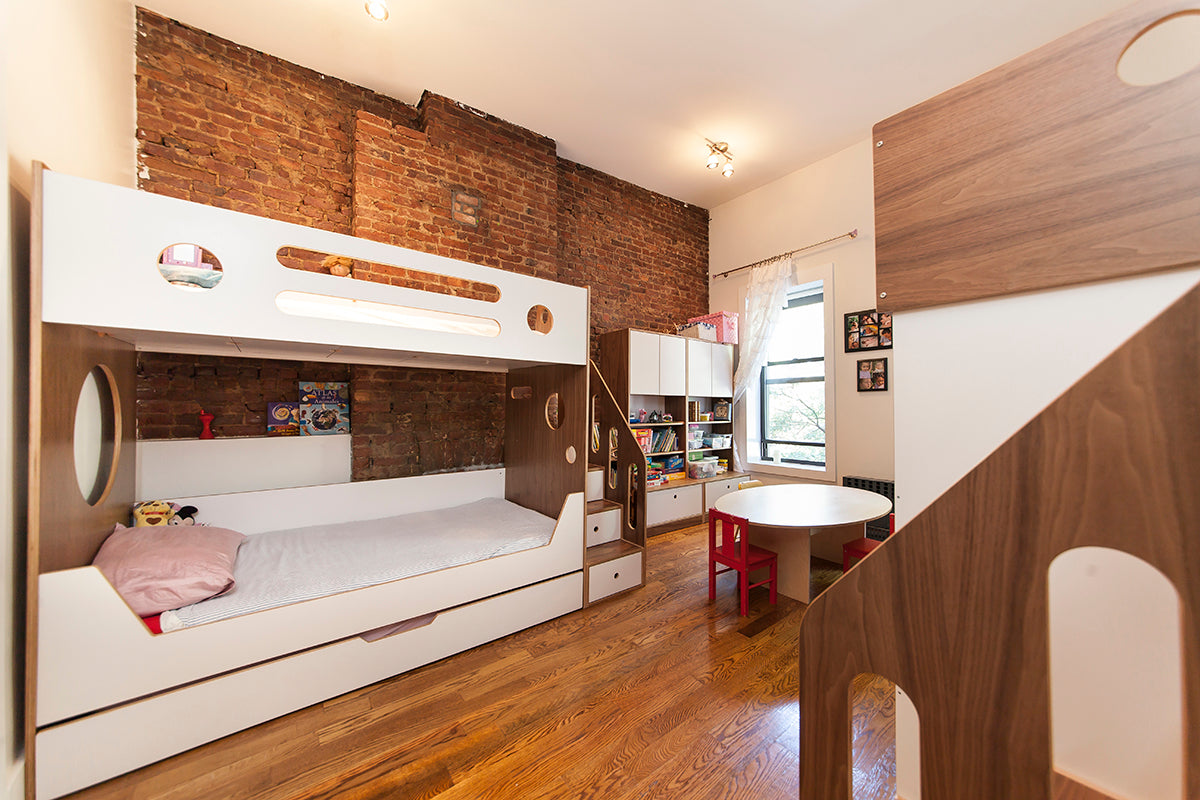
[[633, 87]]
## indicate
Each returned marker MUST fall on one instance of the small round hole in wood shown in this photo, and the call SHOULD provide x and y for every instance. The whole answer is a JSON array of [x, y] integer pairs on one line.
[[571, 455], [616, 575], [540, 319], [97, 434], [190, 267], [553, 418], [1162, 52]]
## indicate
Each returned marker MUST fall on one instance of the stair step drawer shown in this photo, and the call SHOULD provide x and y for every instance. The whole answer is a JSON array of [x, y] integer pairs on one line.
[[614, 576], [604, 527]]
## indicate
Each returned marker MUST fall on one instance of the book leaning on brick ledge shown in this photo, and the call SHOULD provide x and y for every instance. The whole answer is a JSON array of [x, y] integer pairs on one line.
[[324, 407]]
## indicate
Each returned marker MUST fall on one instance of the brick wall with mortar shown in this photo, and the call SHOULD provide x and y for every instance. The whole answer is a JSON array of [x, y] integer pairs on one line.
[[219, 124]]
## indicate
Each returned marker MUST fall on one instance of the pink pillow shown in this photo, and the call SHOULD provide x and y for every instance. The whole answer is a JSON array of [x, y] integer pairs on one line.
[[159, 568]]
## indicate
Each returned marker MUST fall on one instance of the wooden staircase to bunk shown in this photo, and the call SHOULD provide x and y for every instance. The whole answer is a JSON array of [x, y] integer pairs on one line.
[[1046, 172], [616, 510]]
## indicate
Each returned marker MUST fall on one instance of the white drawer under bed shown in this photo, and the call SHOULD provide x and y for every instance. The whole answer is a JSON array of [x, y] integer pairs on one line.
[[94, 748]]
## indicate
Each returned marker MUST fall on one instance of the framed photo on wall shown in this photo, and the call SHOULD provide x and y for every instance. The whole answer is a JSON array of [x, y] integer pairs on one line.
[[873, 375], [868, 330]]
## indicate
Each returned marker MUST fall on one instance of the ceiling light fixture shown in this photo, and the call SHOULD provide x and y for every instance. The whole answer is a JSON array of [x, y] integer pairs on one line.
[[719, 156], [377, 10]]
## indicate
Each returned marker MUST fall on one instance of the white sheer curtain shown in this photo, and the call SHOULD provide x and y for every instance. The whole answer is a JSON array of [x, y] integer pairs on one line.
[[765, 299]]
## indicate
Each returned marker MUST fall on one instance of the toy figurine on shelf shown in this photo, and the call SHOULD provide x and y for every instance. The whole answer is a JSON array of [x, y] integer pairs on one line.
[[206, 424]]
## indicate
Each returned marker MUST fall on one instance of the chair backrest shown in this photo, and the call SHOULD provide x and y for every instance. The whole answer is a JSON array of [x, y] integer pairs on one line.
[[749, 484], [729, 536]]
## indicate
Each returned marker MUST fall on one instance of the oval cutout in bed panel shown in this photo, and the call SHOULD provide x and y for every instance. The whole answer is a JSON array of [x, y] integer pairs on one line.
[[571, 455], [553, 418], [1166, 50], [341, 309], [96, 436], [189, 266], [539, 319], [406, 277], [521, 392]]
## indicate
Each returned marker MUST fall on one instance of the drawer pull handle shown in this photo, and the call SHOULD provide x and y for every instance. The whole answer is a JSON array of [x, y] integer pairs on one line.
[[595, 529], [616, 575]]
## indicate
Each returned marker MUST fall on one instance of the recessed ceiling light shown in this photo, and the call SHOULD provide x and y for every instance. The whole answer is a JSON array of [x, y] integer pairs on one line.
[[377, 10]]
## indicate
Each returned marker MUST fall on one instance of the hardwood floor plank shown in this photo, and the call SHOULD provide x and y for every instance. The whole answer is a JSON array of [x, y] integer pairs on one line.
[[658, 693]]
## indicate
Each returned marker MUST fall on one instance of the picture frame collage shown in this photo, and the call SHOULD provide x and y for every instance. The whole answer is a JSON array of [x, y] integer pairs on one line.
[[869, 329]]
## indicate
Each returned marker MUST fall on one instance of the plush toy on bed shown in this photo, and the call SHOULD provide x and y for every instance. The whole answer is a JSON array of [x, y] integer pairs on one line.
[[161, 512]]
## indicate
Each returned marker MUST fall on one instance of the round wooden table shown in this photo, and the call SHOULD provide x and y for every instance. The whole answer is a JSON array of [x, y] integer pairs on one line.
[[797, 520]]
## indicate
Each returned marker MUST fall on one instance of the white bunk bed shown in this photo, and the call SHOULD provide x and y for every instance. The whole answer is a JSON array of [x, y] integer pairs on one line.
[[104, 694]]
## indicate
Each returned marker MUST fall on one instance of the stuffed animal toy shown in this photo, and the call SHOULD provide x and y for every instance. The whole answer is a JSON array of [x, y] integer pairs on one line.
[[152, 512], [184, 515], [161, 512], [338, 265]]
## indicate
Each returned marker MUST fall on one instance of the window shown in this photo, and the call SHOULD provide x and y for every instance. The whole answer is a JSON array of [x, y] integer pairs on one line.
[[792, 390]]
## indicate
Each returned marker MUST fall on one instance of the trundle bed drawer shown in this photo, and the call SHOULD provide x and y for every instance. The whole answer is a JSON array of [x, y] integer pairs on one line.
[[614, 576], [99, 746]]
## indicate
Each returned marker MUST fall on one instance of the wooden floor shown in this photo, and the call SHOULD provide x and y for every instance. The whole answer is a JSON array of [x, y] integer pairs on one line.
[[655, 694]]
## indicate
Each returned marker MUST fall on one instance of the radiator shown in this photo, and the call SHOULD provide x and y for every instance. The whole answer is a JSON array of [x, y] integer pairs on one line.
[[876, 528]]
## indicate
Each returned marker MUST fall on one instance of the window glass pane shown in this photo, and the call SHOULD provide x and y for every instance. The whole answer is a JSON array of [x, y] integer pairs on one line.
[[796, 412], [791, 452], [808, 369]]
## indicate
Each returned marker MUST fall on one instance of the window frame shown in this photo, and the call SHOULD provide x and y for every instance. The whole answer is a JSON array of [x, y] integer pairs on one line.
[[765, 442], [749, 415]]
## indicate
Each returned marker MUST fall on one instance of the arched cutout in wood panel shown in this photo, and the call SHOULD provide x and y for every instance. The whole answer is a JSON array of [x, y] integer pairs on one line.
[[97, 434], [1116, 674], [595, 423], [631, 518], [190, 267], [612, 458], [879, 710]]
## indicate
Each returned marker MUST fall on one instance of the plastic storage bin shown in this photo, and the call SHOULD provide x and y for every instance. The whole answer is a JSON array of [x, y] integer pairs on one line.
[[703, 468]]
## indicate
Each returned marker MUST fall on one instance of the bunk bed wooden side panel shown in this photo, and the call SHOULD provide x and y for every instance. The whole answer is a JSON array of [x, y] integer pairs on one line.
[[545, 462], [954, 606], [1008, 182]]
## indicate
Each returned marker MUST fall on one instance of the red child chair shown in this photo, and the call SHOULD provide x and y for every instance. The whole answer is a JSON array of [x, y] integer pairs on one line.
[[729, 545], [855, 551]]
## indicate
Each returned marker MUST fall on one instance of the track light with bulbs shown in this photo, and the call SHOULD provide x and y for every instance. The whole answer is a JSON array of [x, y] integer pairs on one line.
[[719, 156]]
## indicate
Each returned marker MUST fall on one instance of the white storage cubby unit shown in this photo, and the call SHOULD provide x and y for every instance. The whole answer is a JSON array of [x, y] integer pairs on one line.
[[693, 376]]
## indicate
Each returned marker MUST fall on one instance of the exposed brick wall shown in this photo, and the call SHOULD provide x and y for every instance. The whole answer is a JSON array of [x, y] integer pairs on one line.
[[644, 255], [227, 126], [415, 421], [172, 390]]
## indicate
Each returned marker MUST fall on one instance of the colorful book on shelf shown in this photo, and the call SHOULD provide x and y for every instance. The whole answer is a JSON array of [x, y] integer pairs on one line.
[[324, 407], [645, 438], [283, 419]]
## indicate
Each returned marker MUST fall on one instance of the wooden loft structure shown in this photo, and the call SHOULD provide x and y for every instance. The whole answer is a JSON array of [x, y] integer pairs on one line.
[[1046, 172]]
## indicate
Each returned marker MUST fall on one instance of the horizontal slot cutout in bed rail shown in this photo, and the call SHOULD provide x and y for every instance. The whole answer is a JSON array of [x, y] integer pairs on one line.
[[403, 626], [321, 306], [394, 275]]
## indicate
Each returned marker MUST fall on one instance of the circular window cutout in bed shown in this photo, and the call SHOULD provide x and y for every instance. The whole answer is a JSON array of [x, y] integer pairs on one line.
[[553, 417], [97, 434], [1164, 51], [540, 319], [571, 455], [190, 267]]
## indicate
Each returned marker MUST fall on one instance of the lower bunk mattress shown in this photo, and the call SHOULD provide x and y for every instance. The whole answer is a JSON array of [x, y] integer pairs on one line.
[[290, 566]]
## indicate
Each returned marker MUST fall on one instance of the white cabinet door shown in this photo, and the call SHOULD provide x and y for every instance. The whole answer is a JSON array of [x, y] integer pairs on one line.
[[643, 362], [665, 505], [699, 368], [717, 489], [672, 368], [722, 370]]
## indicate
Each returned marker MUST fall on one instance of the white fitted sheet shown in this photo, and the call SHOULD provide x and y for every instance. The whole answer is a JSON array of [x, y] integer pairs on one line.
[[289, 566]]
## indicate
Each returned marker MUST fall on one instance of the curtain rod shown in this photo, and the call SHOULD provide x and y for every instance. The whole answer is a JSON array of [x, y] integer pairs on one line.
[[848, 235]]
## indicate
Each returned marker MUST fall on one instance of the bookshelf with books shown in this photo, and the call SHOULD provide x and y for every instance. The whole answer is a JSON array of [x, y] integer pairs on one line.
[[662, 381]]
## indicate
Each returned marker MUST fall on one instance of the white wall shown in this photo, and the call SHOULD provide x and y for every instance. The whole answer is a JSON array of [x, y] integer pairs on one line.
[[826, 199], [68, 100]]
